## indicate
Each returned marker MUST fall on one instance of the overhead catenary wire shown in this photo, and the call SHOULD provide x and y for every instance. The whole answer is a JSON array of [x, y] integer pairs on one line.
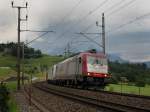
[[37, 37], [120, 8], [69, 13], [113, 6], [91, 12], [89, 39], [82, 19], [113, 11], [37, 31], [79, 21], [107, 10], [88, 27], [129, 22], [66, 16]]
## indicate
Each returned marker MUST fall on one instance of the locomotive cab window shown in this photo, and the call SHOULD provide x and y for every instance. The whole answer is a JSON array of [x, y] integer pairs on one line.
[[94, 60]]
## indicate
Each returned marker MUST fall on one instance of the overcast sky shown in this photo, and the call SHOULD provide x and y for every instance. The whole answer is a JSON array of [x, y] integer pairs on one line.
[[127, 25]]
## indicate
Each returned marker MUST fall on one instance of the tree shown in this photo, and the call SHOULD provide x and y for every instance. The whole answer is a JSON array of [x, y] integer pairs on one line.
[[140, 83], [4, 98]]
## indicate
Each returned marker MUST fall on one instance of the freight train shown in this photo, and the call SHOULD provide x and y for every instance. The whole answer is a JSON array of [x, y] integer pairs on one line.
[[83, 69]]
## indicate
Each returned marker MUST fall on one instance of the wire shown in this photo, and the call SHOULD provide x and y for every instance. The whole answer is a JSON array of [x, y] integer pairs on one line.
[[121, 7], [36, 30], [88, 27], [99, 6], [69, 13], [113, 6], [90, 39], [91, 25], [91, 12], [83, 18], [80, 20], [37, 38], [130, 22]]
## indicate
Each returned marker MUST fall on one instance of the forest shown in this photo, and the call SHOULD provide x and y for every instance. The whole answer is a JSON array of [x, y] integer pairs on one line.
[[11, 48], [137, 73]]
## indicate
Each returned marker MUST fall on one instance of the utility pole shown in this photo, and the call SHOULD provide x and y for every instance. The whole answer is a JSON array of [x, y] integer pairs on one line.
[[18, 45], [22, 63], [65, 52], [103, 33], [68, 51]]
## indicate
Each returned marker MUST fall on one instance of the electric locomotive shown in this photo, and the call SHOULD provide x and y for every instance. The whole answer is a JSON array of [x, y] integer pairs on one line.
[[85, 69]]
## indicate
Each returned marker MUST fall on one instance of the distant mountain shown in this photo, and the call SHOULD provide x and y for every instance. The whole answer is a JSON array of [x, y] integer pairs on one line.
[[116, 57], [148, 64]]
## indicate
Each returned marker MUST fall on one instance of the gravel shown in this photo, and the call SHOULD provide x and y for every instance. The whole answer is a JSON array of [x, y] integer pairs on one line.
[[23, 102], [59, 104], [120, 99]]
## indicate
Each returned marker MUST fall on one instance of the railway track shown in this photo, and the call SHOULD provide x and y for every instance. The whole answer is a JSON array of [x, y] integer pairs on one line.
[[98, 103], [34, 101]]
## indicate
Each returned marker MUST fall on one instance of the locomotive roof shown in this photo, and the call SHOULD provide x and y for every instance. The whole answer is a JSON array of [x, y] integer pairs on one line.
[[81, 54], [88, 53], [93, 54]]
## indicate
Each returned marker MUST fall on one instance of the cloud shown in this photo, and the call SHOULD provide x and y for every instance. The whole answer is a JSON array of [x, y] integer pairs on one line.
[[131, 41]]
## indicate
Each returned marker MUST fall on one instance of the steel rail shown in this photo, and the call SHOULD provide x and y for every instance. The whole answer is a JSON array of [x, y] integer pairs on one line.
[[40, 106], [93, 102]]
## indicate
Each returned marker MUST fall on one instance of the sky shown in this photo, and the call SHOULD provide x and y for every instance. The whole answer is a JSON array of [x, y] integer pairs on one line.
[[127, 25]]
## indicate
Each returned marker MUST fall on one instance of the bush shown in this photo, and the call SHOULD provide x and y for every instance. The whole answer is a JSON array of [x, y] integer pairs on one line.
[[111, 89], [4, 98], [113, 80], [140, 83]]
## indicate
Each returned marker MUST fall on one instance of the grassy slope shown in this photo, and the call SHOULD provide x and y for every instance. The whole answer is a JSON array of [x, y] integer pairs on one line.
[[10, 61], [7, 61], [50, 60], [129, 89], [45, 60]]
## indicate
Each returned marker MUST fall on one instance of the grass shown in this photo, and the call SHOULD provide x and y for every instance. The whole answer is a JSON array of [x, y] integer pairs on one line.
[[10, 61], [7, 61], [13, 105], [38, 62], [45, 60], [6, 72], [12, 86], [129, 89]]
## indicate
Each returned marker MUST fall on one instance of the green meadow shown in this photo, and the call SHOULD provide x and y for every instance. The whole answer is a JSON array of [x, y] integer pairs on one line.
[[129, 89]]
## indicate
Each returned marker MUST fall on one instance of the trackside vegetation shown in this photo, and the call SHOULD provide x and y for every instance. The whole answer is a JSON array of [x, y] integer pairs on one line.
[[133, 74], [4, 98]]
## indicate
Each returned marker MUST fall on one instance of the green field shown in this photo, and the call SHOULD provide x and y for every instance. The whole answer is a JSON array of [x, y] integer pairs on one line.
[[129, 89], [13, 105], [45, 60], [6, 72], [10, 61], [7, 61], [7, 69]]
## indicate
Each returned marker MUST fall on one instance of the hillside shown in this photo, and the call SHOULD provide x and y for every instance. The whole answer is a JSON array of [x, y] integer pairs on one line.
[[8, 63], [7, 60]]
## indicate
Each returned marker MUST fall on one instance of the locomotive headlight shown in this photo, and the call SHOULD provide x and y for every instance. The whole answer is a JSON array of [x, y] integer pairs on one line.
[[105, 75], [88, 73]]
